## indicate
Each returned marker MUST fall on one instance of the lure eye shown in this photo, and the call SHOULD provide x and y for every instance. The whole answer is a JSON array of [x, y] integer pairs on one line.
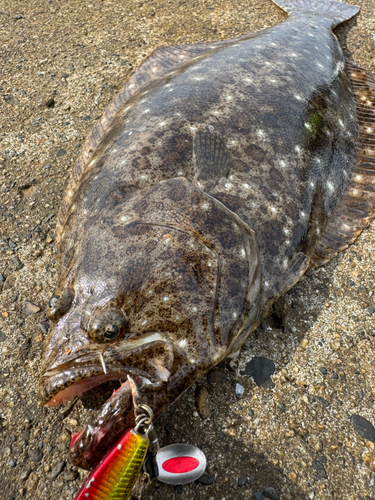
[[111, 332]]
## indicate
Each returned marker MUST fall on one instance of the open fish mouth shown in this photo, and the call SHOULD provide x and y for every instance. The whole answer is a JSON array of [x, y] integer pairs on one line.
[[151, 354]]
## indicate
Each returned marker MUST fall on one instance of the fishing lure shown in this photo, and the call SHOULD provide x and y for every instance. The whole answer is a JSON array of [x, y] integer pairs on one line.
[[115, 475]]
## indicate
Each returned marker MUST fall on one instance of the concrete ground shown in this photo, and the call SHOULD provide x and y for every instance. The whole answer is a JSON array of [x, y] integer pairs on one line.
[[61, 64]]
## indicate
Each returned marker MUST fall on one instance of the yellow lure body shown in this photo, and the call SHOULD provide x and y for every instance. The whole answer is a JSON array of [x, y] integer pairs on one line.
[[115, 475]]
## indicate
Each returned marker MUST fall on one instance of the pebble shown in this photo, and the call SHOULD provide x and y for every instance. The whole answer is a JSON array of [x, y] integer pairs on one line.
[[2, 337], [57, 470], [86, 118], [14, 264], [29, 308], [216, 376], [323, 370], [25, 474], [319, 469], [12, 244], [12, 462], [258, 495], [241, 481], [364, 428], [250, 479], [32, 482], [271, 493], [44, 327], [35, 454], [206, 479], [260, 369], [202, 401], [179, 489], [240, 389], [71, 476], [61, 152]]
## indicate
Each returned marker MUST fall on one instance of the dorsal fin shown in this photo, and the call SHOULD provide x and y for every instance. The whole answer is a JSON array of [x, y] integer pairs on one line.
[[210, 155], [156, 65], [357, 207]]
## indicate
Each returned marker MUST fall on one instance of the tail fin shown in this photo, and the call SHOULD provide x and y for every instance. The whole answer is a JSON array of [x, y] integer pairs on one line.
[[334, 9]]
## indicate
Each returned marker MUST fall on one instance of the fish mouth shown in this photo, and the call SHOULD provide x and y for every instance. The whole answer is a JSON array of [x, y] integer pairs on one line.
[[151, 354]]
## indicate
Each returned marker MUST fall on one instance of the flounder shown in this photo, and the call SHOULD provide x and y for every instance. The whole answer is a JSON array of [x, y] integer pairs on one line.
[[220, 175]]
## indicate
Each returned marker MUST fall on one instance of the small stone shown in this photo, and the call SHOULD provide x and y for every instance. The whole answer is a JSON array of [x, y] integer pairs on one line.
[[14, 264], [336, 344], [25, 474], [71, 476], [44, 327], [179, 489], [271, 493], [241, 481], [50, 102], [281, 407], [35, 454], [319, 469], [216, 376], [240, 389], [61, 152], [32, 482], [29, 308], [364, 428], [202, 401], [260, 369], [57, 470], [12, 462], [11, 244], [206, 479], [86, 118], [323, 370], [250, 479], [258, 495], [369, 460], [2, 337]]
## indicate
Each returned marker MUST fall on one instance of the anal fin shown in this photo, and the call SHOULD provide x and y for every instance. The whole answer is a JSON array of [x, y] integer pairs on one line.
[[357, 207], [210, 155]]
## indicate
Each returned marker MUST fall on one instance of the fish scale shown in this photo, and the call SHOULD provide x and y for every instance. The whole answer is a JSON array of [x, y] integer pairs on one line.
[[220, 175]]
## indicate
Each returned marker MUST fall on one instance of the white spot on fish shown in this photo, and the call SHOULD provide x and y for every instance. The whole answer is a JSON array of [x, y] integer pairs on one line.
[[260, 133], [127, 109], [308, 126], [298, 97], [358, 177], [229, 97], [166, 299], [143, 176], [369, 129], [124, 218], [234, 315], [192, 128], [317, 230], [227, 185], [205, 206], [85, 212], [330, 186], [146, 110], [130, 133], [195, 309], [182, 343], [273, 210], [180, 173], [298, 149], [243, 253], [286, 230], [145, 92], [341, 123], [303, 215], [119, 446], [282, 163], [246, 186], [162, 124]]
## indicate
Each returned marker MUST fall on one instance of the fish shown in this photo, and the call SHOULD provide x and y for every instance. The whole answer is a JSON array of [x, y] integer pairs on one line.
[[221, 174]]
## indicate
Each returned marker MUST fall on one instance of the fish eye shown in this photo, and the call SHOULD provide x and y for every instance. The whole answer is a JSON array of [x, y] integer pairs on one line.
[[111, 332], [52, 302], [60, 303]]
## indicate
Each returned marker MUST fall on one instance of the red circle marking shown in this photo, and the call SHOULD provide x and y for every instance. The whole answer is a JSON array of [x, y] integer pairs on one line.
[[178, 465]]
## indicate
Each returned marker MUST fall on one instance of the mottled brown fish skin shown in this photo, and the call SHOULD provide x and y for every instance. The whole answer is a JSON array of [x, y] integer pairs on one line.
[[168, 269]]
